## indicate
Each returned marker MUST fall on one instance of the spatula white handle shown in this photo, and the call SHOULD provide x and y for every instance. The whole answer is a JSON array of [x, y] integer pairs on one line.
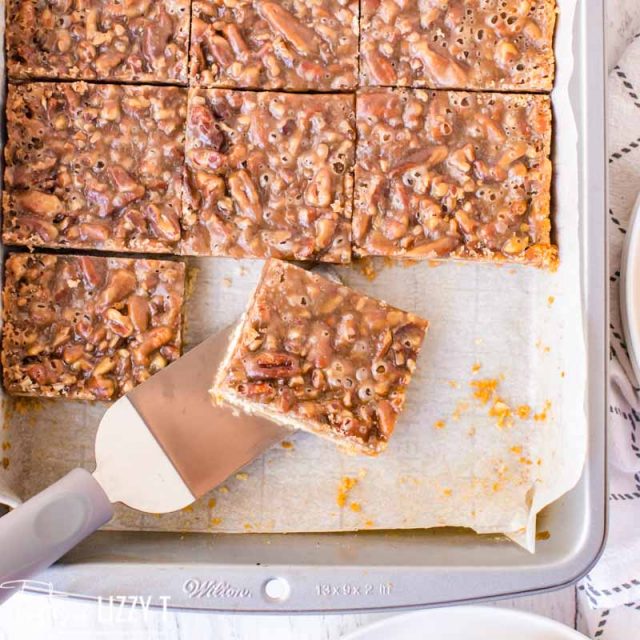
[[40, 531]]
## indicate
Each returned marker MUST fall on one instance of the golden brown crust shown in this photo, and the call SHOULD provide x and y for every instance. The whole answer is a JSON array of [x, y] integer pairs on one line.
[[485, 45], [94, 166], [88, 328], [453, 174], [315, 355], [128, 40]]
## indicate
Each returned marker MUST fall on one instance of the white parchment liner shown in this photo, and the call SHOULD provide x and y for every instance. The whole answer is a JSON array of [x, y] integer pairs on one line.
[[523, 326]]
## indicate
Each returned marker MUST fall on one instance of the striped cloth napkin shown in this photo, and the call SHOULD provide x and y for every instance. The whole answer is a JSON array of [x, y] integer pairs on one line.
[[609, 597]]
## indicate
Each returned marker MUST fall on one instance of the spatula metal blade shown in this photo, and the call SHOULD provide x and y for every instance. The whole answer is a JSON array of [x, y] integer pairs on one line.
[[205, 443]]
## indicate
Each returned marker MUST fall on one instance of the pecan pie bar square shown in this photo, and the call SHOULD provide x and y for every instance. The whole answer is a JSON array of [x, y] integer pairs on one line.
[[315, 355], [285, 44], [504, 45], [268, 175], [86, 327], [94, 166], [453, 174], [125, 40]]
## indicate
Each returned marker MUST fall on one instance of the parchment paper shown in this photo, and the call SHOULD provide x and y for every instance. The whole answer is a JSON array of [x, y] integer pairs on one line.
[[449, 462]]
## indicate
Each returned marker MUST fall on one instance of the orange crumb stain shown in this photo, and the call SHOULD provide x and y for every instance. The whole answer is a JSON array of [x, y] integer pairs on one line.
[[496, 486], [187, 509], [484, 389], [542, 416], [285, 444], [212, 503], [525, 460], [517, 449], [434, 263], [366, 268], [447, 492], [562, 374], [6, 445], [476, 367], [461, 407], [502, 412], [356, 507], [543, 535], [368, 523], [346, 484], [216, 521], [439, 424], [247, 526], [551, 300], [523, 411]]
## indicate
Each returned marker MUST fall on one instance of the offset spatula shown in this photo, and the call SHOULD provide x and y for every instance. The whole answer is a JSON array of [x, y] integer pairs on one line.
[[158, 449]]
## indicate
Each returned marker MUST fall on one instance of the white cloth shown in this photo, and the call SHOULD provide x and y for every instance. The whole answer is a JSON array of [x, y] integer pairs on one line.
[[609, 596]]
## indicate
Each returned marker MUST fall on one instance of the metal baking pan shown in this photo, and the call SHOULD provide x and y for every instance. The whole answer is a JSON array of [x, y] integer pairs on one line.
[[396, 569]]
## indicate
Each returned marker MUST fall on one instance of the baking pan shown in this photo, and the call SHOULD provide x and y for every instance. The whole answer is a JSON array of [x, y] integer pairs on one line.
[[395, 569]]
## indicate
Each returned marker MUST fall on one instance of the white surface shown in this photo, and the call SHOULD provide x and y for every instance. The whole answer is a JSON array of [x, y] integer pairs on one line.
[[28, 617], [467, 623], [132, 467]]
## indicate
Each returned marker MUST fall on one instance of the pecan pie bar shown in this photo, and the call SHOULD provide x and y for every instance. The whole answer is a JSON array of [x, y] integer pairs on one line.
[[315, 355], [94, 166], [268, 175], [85, 327], [504, 45], [453, 174], [285, 44], [127, 40]]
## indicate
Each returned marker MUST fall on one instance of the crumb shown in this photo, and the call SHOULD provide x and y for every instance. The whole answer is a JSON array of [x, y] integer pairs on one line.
[[447, 492], [496, 487], [562, 374], [366, 267], [368, 523], [484, 389], [543, 535], [285, 444], [248, 526], [439, 424], [242, 476], [187, 509], [434, 263], [502, 411], [227, 282], [6, 445], [542, 416], [224, 489], [523, 411], [461, 407], [517, 449], [476, 367], [346, 485], [525, 460], [551, 300], [355, 507], [212, 503], [216, 521]]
